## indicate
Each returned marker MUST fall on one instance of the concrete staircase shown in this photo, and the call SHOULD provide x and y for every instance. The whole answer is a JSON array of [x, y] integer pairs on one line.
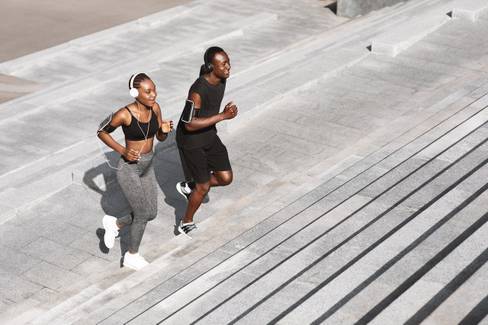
[[93, 94], [261, 45], [375, 227], [358, 178]]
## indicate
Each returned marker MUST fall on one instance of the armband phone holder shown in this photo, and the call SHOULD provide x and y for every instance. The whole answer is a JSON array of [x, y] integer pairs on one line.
[[187, 114], [105, 124]]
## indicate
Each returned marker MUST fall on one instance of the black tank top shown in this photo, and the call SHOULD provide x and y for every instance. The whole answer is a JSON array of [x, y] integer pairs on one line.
[[137, 131]]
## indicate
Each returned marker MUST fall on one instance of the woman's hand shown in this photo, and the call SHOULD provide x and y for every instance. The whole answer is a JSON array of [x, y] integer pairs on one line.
[[167, 126], [131, 154]]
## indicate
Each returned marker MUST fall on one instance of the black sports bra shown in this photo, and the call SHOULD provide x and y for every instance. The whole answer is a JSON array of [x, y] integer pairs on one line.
[[137, 131]]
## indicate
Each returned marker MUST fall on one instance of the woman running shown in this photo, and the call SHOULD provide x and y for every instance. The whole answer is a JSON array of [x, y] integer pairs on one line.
[[141, 120]]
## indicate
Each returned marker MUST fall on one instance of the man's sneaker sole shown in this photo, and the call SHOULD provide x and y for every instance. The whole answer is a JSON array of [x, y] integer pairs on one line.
[[183, 232]]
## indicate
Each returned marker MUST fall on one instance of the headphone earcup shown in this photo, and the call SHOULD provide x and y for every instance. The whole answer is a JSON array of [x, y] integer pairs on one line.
[[134, 92], [209, 67]]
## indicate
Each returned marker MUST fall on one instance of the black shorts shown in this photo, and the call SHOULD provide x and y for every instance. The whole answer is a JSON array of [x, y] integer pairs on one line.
[[198, 163]]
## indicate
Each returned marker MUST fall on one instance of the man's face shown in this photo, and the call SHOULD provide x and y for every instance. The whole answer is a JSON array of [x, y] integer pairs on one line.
[[221, 65]]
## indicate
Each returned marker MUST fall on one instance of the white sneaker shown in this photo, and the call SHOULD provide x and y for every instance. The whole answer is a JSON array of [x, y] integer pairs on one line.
[[184, 189], [111, 230], [134, 261]]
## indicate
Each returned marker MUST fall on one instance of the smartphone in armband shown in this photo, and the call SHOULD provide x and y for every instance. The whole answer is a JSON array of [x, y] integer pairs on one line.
[[105, 125], [187, 114]]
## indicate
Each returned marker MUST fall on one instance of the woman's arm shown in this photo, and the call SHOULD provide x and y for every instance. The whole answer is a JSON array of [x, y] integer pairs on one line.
[[119, 118], [164, 126], [197, 123]]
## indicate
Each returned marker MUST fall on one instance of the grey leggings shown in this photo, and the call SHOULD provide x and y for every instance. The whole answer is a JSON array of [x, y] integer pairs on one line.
[[138, 183]]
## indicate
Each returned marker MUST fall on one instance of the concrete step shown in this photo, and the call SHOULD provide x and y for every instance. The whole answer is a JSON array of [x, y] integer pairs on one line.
[[79, 147], [256, 197], [178, 25], [326, 166], [332, 284], [407, 33], [364, 23], [470, 10], [49, 55], [91, 83], [59, 169], [209, 281], [465, 299], [453, 106], [63, 173], [432, 288], [11, 87], [29, 109], [205, 263], [370, 281], [182, 28]]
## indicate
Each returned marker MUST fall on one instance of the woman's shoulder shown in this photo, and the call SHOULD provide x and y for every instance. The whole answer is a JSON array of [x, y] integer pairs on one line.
[[125, 110], [123, 114], [157, 108]]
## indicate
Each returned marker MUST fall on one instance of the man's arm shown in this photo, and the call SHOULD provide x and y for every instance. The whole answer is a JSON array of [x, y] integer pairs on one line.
[[197, 123]]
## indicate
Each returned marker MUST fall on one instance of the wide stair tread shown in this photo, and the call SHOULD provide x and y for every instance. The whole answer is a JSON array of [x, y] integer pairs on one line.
[[274, 236]]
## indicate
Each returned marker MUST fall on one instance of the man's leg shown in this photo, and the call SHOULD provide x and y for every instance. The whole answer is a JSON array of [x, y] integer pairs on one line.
[[218, 162], [221, 178], [196, 199]]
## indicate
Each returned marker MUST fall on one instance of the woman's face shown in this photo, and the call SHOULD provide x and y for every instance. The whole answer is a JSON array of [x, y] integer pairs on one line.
[[147, 92], [221, 65]]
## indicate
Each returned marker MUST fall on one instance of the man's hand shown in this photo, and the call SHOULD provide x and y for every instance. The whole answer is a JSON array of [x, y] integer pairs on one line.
[[230, 111]]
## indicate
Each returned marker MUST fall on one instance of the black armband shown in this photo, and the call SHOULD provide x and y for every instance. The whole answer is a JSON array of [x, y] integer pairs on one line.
[[188, 112], [105, 126]]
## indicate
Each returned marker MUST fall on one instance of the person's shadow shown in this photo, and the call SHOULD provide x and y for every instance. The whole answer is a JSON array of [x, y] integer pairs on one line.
[[102, 179], [167, 165]]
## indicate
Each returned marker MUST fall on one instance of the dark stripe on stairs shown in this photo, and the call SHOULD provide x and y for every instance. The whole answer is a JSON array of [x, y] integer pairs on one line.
[[448, 290], [422, 271], [398, 257]]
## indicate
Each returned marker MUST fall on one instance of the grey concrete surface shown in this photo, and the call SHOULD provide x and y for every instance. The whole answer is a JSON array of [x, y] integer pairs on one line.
[[49, 23], [353, 8], [88, 105], [345, 163]]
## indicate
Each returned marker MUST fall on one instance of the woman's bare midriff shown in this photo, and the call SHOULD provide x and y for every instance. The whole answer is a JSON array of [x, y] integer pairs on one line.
[[145, 145]]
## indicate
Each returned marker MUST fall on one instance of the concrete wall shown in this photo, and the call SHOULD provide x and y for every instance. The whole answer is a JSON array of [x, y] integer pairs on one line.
[[352, 8]]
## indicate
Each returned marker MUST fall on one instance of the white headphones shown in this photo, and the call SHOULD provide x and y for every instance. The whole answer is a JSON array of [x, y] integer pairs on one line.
[[134, 92]]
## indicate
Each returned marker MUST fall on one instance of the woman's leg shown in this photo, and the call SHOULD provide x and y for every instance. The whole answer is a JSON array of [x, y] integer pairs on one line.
[[135, 191], [110, 223], [149, 185]]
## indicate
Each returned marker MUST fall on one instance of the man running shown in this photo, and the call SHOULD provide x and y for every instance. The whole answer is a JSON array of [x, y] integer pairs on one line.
[[203, 155]]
